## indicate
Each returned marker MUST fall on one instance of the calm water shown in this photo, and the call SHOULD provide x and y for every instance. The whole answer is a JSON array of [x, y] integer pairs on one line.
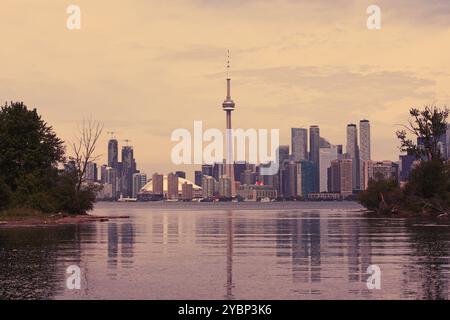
[[228, 251]]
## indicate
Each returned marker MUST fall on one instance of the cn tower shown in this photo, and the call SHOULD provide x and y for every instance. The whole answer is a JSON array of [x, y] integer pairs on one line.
[[228, 106]]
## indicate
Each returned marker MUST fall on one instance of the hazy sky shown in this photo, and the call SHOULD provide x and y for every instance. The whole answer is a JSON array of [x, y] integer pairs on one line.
[[145, 68]]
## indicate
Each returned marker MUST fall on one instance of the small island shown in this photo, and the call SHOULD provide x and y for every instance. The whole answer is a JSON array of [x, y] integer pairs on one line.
[[39, 184], [427, 190]]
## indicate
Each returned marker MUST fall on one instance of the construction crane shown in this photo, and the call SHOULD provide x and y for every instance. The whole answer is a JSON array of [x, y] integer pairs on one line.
[[112, 133]]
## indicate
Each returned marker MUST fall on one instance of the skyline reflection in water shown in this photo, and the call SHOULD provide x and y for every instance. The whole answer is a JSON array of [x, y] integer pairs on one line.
[[228, 251]]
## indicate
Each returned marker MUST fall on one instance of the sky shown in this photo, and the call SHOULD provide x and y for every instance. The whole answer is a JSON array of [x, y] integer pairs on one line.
[[144, 68]]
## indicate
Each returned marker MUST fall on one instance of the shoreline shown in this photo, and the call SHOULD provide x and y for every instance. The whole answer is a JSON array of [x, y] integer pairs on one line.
[[56, 220]]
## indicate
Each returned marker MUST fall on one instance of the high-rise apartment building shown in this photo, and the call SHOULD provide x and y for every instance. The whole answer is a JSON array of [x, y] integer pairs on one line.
[[90, 174], [225, 187], [113, 153], [128, 169], [158, 184], [299, 143], [364, 149], [353, 154], [314, 154], [208, 185], [326, 156], [187, 191], [380, 170], [341, 177], [172, 186]]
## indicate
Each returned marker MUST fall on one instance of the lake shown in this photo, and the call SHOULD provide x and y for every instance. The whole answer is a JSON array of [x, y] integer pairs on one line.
[[295, 250]]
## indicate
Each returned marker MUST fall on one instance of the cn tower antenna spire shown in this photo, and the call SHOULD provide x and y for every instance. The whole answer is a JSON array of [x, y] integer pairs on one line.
[[228, 65]]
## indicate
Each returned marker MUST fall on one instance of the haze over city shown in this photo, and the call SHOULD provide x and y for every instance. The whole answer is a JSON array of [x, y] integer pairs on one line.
[[145, 68]]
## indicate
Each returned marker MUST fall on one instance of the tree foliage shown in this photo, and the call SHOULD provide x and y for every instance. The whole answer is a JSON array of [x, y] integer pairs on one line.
[[428, 126], [428, 187], [29, 176]]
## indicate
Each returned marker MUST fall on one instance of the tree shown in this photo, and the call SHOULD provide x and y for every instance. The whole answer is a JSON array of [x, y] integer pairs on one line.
[[428, 126], [5, 195], [29, 159], [84, 149], [381, 195], [28, 144]]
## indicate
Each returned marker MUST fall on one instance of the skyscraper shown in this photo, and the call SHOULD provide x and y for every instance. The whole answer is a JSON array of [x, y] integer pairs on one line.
[[228, 106], [128, 169], [283, 156], [172, 186], [341, 177], [326, 156], [353, 153], [113, 153], [198, 178], [314, 154], [299, 143], [364, 151]]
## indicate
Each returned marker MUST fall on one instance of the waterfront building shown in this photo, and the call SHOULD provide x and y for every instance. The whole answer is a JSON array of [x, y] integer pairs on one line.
[[325, 157], [172, 186], [187, 191], [380, 170], [225, 185], [324, 196], [158, 184], [256, 193], [209, 187], [341, 177], [112, 178], [139, 181]]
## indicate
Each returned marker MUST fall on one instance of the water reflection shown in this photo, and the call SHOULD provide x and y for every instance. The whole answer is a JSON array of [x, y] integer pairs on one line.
[[228, 254]]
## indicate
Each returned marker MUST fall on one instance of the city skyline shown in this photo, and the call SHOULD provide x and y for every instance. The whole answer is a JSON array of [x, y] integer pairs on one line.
[[293, 65]]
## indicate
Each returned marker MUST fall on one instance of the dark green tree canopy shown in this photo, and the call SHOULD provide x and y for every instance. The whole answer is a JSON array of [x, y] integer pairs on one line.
[[28, 145], [428, 125]]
